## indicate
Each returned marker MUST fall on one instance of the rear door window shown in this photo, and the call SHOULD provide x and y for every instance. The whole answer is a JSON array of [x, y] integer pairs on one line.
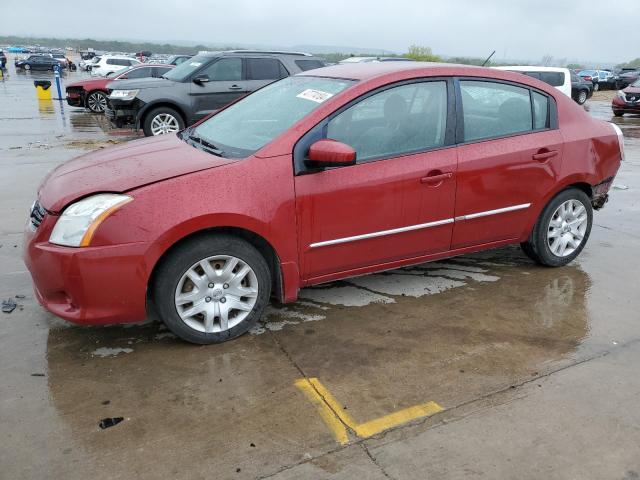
[[540, 111], [159, 71], [494, 109], [265, 69], [140, 73], [224, 70]]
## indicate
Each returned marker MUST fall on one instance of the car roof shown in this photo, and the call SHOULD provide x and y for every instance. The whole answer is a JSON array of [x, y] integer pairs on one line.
[[266, 53], [398, 71], [532, 68], [367, 70]]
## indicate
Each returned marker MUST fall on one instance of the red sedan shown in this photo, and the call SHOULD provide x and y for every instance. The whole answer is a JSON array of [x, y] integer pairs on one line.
[[92, 92], [332, 173], [627, 100]]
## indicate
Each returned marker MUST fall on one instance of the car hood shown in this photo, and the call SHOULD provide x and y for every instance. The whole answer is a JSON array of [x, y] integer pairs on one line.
[[631, 89], [91, 84], [122, 168], [142, 83]]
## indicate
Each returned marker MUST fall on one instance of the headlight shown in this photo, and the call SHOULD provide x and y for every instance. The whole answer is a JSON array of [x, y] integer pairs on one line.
[[621, 95], [124, 94], [79, 221]]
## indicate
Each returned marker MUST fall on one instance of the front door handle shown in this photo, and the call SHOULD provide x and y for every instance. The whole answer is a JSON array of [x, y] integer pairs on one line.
[[235, 87], [436, 178], [543, 156]]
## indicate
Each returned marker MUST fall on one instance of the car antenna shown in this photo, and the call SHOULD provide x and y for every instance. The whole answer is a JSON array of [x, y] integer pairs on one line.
[[488, 58]]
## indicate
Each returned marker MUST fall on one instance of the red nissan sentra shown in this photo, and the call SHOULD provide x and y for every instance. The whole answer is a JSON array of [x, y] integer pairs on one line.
[[332, 173]]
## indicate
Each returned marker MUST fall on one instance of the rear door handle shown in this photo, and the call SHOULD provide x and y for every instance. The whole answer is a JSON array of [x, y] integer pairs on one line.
[[436, 179], [542, 156], [235, 87]]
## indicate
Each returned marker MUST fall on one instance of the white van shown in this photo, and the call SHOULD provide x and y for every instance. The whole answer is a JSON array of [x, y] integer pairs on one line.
[[554, 76]]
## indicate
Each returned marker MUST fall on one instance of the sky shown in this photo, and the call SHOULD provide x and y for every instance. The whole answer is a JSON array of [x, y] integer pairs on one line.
[[516, 29]]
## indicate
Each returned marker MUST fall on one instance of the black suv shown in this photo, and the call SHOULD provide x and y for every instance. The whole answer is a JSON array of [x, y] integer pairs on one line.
[[581, 89], [198, 87]]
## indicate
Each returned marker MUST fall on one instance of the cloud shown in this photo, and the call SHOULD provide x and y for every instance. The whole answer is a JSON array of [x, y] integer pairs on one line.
[[516, 29]]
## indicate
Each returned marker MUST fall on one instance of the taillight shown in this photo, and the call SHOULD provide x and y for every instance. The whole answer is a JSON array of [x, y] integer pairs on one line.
[[620, 140]]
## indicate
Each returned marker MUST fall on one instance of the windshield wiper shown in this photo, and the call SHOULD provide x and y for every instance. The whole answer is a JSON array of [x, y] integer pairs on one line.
[[210, 147]]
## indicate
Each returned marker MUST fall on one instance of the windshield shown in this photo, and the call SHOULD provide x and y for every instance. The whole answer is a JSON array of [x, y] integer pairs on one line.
[[636, 83], [587, 72], [248, 125], [185, 69]]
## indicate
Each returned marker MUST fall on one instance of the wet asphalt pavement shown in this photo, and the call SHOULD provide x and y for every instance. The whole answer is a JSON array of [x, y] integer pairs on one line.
[[484, 365]]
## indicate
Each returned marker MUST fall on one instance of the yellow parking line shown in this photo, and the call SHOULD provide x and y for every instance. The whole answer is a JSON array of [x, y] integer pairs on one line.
[[335, 416], [377, 425], [337, 428]]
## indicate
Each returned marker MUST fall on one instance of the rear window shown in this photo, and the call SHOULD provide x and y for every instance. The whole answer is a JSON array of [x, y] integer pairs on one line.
[[265, 69], [555, 79], [118, 61], [305, 65]]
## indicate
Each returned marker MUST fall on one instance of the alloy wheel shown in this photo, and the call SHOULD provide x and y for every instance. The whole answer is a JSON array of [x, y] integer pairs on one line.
[[216, 294], [97, 102], [164, 123], [582, 97], [567, 228]]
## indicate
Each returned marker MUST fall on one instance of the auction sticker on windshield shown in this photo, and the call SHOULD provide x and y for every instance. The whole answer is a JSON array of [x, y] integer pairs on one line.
[[317, 96]]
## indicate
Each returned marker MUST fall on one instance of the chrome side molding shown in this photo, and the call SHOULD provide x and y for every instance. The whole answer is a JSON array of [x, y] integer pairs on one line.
[[420, 226]]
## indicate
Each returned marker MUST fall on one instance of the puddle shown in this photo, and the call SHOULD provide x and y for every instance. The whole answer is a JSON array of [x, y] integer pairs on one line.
[[110, 352]]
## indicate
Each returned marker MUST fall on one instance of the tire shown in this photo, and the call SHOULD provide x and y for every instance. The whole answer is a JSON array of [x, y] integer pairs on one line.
[[582, 97], [618, 114], [203, 321], [162, 120], [596, 87], [96, 101], [545, 245], [26, 66]]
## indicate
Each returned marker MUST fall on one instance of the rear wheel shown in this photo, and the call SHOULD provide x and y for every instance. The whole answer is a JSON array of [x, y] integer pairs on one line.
[[562, 230], [97, 102], [212, 288], [161, 121], [582, 97], [596, 87]]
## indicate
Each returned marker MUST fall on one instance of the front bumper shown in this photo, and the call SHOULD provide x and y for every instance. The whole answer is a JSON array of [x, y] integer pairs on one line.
[[620, 105], [91, 285], [121, 113]]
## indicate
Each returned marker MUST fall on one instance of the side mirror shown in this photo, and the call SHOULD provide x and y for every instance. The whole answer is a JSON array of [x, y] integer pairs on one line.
[[200, 79], [331, 153]]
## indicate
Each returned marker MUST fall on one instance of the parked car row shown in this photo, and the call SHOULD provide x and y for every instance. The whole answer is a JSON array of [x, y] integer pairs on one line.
[[92, 93]]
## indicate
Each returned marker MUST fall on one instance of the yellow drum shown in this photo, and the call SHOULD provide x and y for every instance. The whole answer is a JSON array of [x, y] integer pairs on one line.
[[43, 89]]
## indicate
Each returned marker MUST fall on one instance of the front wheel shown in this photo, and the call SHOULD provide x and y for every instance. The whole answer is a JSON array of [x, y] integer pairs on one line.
[[617, 113], [562, 230], [596, 87], [161, 121], [212, 288], [26, 66], [97, 102]]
